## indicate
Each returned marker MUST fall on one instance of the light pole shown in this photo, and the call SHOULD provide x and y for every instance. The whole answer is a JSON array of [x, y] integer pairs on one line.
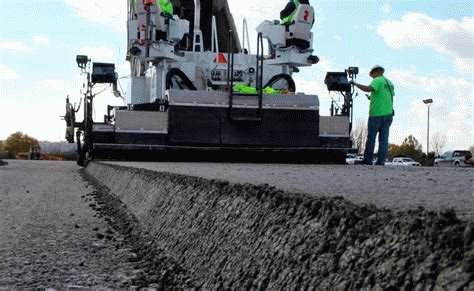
[[428, 102]]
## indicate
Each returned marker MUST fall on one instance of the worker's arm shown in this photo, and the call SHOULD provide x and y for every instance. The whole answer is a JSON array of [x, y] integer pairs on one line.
[[290, 7], [364, 88]]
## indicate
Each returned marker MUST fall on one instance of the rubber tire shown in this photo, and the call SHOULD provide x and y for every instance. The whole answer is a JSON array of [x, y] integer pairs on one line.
[[286, 77], [177, 72]]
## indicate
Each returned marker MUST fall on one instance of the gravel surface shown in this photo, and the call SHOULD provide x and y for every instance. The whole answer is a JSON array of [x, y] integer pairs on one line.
[[52, 233], [399, 188]]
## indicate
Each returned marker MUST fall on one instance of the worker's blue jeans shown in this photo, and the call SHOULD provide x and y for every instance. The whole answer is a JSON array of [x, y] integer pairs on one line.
[[377, 125]]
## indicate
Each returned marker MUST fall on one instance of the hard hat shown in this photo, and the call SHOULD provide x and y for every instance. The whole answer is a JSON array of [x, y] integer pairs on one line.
[[376, 67]]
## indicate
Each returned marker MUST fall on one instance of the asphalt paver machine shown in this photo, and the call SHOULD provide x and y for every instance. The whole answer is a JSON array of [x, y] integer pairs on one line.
[[184, 100]]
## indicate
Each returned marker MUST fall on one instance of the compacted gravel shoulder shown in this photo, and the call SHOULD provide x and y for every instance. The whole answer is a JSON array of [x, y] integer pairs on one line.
[[52, 234]]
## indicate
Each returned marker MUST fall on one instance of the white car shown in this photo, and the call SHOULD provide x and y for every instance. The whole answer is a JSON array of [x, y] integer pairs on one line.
[[453, 159], [404, 162]]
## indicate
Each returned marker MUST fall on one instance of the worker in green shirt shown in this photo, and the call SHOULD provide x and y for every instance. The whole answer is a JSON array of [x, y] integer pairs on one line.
[[380, 115]]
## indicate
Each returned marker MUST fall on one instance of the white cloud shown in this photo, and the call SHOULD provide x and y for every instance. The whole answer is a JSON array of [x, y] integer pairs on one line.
[[99, 54], [452, 112], [451, 37], [16, 46], [309, 86], [112, 13], [29, 97], [255, 12], [40, 40], [7, 73], [386, 8], [56, 84], [311, 81]]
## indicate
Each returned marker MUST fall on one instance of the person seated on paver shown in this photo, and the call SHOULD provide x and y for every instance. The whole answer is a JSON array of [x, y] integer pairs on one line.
[[163, 16], [298, 18], [161, 12]]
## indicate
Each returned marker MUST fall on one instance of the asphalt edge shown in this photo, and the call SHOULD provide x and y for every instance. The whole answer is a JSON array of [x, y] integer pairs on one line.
[[336, 216], [162, 272]]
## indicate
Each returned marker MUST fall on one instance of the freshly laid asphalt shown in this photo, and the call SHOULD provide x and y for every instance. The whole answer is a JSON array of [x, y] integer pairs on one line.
[[398, 188]]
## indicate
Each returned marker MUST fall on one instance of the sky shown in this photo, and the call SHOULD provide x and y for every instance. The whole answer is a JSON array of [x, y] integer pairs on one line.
[[427, 48]]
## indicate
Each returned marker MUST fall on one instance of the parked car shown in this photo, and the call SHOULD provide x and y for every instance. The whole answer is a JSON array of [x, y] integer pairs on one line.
[[453, 159], [402, 161], [352, 159]]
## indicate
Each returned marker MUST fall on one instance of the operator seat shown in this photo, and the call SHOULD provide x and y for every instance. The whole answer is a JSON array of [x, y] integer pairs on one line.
[[299, 31]]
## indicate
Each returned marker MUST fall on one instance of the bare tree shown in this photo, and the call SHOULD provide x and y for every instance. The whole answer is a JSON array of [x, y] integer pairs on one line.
[[359, 135], [438, 142]]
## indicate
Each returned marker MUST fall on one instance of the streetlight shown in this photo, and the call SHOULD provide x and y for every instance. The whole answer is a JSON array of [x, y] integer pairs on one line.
[[428, 102]]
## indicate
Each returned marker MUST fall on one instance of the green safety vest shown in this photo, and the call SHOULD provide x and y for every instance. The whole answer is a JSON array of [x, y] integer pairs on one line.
[[246, 89], [289, 19], [166, 7]]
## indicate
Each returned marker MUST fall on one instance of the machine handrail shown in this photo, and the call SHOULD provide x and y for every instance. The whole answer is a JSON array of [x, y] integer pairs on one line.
[[230, 71], [259, 77], [258, 81]]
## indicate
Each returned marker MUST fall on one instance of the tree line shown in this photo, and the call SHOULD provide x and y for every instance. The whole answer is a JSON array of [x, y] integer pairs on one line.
[[22, 146], [17, 143]]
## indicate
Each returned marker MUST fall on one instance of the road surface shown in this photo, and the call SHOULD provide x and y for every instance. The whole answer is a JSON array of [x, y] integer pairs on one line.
[[53, 234], [50, 237]]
